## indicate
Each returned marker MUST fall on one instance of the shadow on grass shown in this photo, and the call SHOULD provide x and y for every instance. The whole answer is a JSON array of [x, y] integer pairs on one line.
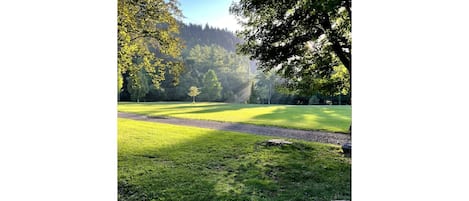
[[202, 109], [329, 120], [324, 117], [229, 166], [224, 108]]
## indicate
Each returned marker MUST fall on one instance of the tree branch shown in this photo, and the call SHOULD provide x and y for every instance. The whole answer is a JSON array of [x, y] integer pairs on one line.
[[344, 57]]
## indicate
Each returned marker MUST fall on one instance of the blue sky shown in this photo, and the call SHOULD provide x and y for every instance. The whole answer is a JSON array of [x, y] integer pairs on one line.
[[213, 12]]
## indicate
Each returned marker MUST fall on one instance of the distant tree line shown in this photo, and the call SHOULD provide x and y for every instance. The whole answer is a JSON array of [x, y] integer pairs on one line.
[[193, 34], [270, 88]]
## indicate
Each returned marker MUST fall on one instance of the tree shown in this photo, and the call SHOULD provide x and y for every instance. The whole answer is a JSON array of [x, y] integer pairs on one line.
[[138, 85], [266, 84], [341, 78], [298, 38], [193, 92], [211, 86], [145, 25]]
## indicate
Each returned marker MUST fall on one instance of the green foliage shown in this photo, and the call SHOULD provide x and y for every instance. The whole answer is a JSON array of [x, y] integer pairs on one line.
[[341, 80], [147, 41], [120, 82], [230, 70], [138, 85], [193, 92], [338, 83], [193, 35], [211, 86], [167, 162], [308, 117], [304, 39], [205, 49], [266, 84]]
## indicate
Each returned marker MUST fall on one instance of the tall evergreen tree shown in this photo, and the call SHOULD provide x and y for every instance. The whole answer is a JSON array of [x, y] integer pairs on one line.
[[211, 86]]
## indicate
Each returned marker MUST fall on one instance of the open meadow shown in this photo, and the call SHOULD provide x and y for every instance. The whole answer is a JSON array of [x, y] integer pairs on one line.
[[308, 117], [167, 162]]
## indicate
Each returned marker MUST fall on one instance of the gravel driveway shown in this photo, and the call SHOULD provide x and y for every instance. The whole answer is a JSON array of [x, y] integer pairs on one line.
[[316, 136]]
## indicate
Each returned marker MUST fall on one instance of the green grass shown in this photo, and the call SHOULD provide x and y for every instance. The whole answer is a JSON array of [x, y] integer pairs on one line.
[[326, 118], [167, 162]]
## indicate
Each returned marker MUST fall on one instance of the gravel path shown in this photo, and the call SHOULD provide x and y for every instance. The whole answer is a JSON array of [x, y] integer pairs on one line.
[[316, 136]]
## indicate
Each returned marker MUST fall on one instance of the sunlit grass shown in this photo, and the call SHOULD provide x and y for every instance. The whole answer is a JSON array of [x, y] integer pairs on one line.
[[168, 162], [327, 118]]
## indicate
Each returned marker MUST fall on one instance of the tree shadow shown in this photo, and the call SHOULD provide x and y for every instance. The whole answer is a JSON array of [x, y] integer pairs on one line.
[[221, 165], [336, 120], [161, 109], [230, 107], [330, 120], [205, 109]]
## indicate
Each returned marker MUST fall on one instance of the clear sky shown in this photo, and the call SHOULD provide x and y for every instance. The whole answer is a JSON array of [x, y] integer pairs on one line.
[[214, 12]]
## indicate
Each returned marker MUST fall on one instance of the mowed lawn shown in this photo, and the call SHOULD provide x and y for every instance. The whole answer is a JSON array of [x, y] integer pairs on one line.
[[308, 117], [167, 162]]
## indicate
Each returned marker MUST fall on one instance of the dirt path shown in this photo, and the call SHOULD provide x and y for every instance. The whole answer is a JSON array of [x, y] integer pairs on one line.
[[317, 136]]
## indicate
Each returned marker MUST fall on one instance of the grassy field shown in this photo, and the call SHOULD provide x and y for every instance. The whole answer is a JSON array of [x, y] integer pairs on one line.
[[308, 117], [168, 162]]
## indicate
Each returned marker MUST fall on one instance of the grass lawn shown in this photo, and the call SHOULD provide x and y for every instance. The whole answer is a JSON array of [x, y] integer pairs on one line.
[[308, 117], [167, 162]]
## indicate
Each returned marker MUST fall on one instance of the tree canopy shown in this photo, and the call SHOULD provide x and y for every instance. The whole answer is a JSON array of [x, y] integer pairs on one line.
[[147, 42], [212, 87], [300, 39]]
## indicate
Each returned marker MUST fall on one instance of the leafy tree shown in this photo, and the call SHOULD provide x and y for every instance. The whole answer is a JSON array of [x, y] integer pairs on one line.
[[147, 41], [302, 39], [138, 85], [266, 83], [337, 84], [211, 86], [120, 82], [193, 92], [341, 78]]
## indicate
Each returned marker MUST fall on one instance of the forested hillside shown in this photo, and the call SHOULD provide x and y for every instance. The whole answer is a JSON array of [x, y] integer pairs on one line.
[[209, 60], [210, 63], [193, 35]]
